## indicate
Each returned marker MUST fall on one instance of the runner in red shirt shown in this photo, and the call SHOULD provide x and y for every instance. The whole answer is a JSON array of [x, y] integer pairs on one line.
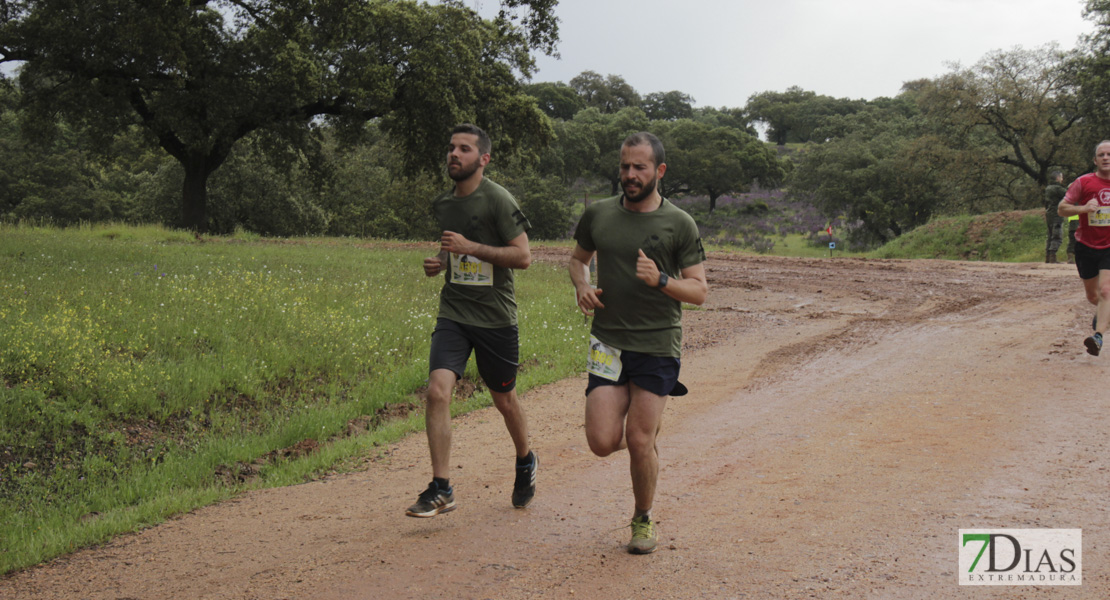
[[1089, 197]]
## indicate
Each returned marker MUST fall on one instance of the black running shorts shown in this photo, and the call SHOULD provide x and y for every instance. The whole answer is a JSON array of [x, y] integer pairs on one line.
[[1089, 261], [496, 352]]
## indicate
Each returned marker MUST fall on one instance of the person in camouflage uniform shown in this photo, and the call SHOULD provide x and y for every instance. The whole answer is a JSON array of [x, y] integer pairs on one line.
[[1053, 194]]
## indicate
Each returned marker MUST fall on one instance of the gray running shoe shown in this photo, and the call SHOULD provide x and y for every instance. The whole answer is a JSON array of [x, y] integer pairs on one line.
[[1094, 344], [644, 539], [525, 486], [432, 501]]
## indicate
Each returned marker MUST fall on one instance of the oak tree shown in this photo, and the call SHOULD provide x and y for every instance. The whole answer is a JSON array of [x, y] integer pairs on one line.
[[200, 75]]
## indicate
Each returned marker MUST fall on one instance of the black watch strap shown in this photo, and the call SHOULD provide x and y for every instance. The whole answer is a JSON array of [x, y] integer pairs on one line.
[[663, 279]]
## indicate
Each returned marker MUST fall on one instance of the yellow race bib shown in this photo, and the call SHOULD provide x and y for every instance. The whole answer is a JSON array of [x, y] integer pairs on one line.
[[468, 270], [604, 361], [1100, 218]]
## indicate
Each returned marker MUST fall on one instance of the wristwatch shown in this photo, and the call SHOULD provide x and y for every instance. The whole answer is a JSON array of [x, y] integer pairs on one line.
[[662, 280]]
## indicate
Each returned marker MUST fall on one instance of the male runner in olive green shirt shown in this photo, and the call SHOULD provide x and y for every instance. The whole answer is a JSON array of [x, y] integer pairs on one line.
[[649, 261], [484, 238]]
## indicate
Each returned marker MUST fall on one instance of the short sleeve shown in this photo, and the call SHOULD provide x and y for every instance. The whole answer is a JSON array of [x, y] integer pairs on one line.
[[1075, 192], [510, 219], [690, 252], [582, 233]]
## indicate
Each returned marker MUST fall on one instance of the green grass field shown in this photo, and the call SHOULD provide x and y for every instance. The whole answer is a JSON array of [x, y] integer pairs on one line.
[[796, 245], [145, 373]]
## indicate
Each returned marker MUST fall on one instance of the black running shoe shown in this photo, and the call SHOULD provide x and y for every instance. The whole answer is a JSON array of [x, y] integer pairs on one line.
[[525, 487], [1094, 344], [432, 501]]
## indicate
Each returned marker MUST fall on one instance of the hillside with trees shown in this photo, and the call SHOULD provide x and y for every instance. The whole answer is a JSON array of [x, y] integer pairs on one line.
[[308, 117]]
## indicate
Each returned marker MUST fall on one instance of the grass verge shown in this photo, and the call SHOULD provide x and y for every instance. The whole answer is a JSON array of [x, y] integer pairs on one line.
[[1014, 236], [144, 373]]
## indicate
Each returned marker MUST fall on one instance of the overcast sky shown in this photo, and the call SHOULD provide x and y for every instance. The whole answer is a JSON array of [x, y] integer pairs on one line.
[[723, 51]]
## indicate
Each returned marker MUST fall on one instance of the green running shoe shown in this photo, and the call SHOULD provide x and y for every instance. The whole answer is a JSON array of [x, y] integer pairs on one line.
[[644, 539]]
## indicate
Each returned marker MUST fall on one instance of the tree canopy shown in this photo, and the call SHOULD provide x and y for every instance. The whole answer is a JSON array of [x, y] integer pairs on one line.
[[201, 75], [717, 160], [668, 106], [792, 115], [557, 99], [877, 175], [1022, 100], [1090, 70], [607, 94], [327, 117]]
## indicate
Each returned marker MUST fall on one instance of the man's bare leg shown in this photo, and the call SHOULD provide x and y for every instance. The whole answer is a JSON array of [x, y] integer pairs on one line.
[[437, 420], [645, 415]]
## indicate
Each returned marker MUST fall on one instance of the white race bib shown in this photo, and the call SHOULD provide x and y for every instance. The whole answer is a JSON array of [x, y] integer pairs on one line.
[[603, 361], [1100, 218], [468, 270]]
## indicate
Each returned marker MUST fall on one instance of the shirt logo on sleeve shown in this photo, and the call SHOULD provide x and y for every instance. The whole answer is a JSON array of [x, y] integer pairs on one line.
[[520, 219]]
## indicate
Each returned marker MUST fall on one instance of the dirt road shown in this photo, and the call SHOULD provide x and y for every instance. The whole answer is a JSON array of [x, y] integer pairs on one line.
[[847, 417]]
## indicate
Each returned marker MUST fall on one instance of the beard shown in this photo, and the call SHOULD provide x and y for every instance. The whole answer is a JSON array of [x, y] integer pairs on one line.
[[463, 171], [647, 190]]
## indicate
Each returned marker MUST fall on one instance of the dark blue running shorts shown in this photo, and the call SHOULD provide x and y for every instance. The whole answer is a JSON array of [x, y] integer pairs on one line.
[[656, 374]]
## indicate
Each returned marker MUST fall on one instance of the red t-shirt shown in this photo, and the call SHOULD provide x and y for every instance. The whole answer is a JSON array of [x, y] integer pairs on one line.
[[1094, 228]]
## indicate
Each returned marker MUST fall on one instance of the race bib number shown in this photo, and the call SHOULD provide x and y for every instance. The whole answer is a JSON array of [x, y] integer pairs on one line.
[[1100, 218], [603, 361], [467, 270]]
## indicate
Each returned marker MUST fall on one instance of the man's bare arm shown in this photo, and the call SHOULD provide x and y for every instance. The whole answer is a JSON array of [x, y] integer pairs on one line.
[[516, 255], [584, 292], [692, 288]]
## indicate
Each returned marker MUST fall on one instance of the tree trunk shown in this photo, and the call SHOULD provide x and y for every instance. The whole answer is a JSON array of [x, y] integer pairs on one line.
[[194, 198], [713, 201]]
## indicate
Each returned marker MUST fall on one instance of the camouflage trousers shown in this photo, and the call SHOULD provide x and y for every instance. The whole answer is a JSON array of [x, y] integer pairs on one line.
[[1054, 222]]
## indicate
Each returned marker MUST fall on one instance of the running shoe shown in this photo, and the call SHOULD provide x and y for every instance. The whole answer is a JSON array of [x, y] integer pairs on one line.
[[644, 540], [1094, 344], [433, 501], [525, 486]]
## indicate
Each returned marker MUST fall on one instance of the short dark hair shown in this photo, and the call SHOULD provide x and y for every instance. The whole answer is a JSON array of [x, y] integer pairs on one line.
[[484, 144], [647, 139]]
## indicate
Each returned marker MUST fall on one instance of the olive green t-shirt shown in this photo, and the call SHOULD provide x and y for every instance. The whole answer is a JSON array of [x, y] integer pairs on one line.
[[637, 316], [475, 292]]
